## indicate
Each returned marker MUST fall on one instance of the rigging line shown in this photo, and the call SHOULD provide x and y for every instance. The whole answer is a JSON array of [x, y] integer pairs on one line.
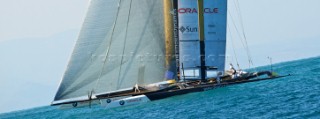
[[234, 51], [238, 10], [237, 4], [125, 41], [107, 52], [240, 17], [241, 39], [244, 43], [238, 33]]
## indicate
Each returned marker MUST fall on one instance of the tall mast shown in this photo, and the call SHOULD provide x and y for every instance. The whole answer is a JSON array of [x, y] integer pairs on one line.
[[171, 37], [176, 35], [201, 37]]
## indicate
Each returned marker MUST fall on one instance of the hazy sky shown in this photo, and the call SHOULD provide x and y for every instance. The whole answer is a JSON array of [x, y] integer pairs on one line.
[[37, 36], [39, 18], [36, 40]]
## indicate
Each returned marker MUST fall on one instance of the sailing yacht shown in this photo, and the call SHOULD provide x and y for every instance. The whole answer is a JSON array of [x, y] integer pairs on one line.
[[134, 51]]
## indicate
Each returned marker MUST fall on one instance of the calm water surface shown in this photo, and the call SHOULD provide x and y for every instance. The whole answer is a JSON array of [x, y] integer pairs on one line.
[[297, 96]]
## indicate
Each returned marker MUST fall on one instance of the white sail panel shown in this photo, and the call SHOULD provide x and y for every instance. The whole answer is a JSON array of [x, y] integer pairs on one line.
[[75, 82], [215, 23], [121, 44], [189, 37], [143, 52], [188, 20]]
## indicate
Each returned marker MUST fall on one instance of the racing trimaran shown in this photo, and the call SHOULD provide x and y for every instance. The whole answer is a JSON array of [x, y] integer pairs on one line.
[[133, 51]]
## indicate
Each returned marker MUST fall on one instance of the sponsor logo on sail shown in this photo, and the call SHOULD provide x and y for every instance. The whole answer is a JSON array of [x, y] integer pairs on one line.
[[195, 10], [108, 100], [134, 100], [188, 29], [121, 102]]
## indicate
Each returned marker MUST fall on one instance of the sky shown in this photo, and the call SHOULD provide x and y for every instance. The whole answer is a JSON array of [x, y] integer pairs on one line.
[[36, 40], [37, 37]]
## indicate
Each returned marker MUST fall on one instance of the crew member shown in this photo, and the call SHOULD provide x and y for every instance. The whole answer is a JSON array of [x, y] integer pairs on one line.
[[218, 77], [234, 71], [136, 88]]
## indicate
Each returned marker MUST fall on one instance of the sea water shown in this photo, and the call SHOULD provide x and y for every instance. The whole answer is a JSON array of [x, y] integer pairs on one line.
[[296, 96]]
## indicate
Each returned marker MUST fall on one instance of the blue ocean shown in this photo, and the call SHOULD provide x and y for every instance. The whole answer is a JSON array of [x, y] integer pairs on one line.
[[296, 96]]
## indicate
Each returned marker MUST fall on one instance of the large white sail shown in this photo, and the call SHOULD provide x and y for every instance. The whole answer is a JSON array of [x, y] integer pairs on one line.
[[215, 24], [189, 39], [215, 18], [121, 44]]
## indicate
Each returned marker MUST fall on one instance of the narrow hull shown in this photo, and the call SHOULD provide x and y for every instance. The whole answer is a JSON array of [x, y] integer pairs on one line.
[[79, 104], [157, 95], [205, 87], [125, 101], [127, 98]]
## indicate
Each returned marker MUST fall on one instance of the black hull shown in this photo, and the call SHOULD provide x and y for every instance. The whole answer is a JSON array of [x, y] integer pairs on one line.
[[165, 94], [174, 91]]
